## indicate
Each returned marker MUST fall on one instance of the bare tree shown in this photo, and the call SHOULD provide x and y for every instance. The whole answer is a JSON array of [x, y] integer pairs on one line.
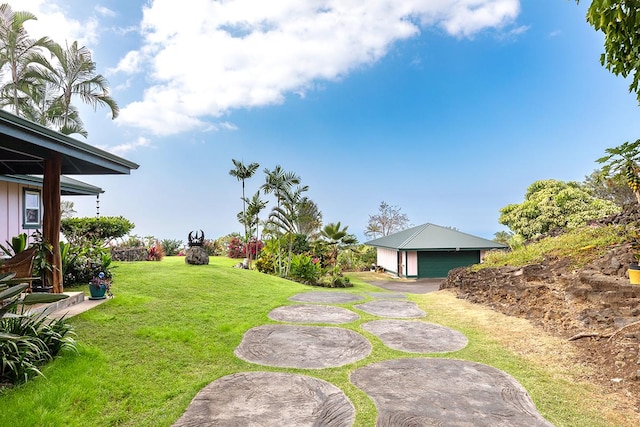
[[388, 220]]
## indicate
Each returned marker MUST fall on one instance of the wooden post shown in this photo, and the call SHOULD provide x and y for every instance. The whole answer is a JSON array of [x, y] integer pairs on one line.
[[52, 215]]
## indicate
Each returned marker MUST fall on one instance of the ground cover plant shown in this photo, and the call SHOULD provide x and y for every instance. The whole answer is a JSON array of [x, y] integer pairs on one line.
[[172, 328], [581, 246]]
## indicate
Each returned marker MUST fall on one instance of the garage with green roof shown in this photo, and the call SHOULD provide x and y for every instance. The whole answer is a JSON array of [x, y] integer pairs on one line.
[[430, 251]]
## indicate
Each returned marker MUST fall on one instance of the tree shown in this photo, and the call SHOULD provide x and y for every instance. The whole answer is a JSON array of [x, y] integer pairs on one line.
[[624, 160], [20, 54], [502, 237], [613, 188], [284, 219], [309, 218], [66, 209], [255, 205], [551, 204], [242, 172], [619, 20], [388, 220], [337, 238], [73, 74]]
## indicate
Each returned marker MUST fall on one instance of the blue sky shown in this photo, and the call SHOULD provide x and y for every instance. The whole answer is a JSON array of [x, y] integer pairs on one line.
[[448, 109]]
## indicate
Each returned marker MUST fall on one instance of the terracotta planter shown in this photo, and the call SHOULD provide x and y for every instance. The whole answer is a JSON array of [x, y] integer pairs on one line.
[[634, 277]]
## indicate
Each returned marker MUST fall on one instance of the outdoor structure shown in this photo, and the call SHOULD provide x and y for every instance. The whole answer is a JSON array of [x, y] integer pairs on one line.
[[20, 202], [27, 148], [429, 251]]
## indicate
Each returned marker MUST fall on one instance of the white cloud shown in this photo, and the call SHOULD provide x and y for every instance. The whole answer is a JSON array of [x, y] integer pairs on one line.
[[52, 21], [217, 56], [122, 149]]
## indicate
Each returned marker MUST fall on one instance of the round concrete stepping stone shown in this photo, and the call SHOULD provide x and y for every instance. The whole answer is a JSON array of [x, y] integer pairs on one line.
[[313, 314], [416, 337], [387, 295], [268, 399], [326, 297], [443, 392], [305, 347], [391, 308]]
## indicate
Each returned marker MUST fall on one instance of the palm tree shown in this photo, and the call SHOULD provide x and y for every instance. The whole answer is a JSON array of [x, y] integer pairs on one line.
[[242, 172], [74, 75], [278, 181], [284, 219], [338, 238], [309, 218], [21, 54], [255, 205]]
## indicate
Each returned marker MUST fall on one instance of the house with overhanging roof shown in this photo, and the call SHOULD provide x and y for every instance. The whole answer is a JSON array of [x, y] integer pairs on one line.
[[34, 166], [21, 202], [430, 251]]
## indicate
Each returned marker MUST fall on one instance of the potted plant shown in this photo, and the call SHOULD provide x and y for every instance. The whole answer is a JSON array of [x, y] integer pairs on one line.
[[42, 268], [100, 287]]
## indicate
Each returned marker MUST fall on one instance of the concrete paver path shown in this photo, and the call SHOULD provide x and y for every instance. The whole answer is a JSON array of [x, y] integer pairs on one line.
[[252, 399], [326, 297], [392, 308], [416, 337], [313, 314], [306, 347], [444, 392]]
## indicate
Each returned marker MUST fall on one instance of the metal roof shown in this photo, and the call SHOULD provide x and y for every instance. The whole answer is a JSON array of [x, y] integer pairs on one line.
[[68, 186], [430, 237], [24, 145]]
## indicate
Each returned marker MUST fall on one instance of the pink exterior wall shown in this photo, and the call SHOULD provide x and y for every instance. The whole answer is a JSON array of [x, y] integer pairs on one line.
[[388, 259], [11, 211], [412, 264]]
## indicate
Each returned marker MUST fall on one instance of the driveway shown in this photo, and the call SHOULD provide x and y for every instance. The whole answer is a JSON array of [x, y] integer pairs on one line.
[[418, 286]]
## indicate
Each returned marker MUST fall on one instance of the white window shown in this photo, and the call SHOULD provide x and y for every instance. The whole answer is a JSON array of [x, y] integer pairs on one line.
[[32, 212]]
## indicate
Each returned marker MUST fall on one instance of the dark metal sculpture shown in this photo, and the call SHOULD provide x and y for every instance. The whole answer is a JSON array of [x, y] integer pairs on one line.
[[196, 239]]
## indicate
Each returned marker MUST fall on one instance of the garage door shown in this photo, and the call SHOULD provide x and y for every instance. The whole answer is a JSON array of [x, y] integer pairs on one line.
[[438, 264]]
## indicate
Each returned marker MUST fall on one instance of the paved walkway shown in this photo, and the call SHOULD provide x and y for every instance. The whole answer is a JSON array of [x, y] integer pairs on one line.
[[419, 391]]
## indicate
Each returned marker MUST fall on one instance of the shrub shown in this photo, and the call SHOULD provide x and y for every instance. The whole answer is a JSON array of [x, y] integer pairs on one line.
[[213, 247], [155, 252], [357, 260], [171, 247], [305, 269], [103, 229], [235, 248], [335, 279], [264, 264], [83, 260], [29, 341]]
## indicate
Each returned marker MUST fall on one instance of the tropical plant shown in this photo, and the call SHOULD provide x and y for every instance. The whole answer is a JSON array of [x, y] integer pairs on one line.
[[623, 160], [73, 74], [27, 341], [243, 172], [337, 238], [235, 248], [17, 245], [42, 267], [171, 247], [305, 269], [20, 54]]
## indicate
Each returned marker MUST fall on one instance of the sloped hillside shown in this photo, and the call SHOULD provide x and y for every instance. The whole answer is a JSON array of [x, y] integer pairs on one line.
[[581, 294]]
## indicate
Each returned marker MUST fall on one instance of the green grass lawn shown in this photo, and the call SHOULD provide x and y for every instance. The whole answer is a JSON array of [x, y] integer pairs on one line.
[[172, 328]]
